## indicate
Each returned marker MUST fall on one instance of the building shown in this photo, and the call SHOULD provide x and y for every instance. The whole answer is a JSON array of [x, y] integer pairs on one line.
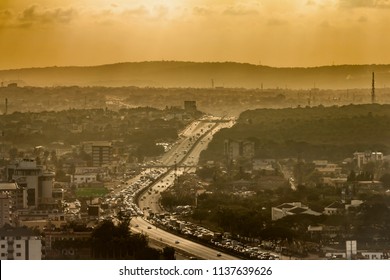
[[68, 244], [93, 211], [26, 174], [5, 213], [84, 178], [45, 188], [89, 174], [373, 255], [324, 232], [335, 182], [327, 169], [101, 153], [19, 244], [362, 158], [341, 207], [335, 208], [265, 165], [36, 184], [41, 218], [234, 149], [289, 209], [10, 194], [12, 85]]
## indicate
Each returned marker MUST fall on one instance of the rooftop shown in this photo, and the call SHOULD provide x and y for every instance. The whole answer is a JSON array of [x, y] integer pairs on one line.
[[8, 230], [5, 186], [298, 210]]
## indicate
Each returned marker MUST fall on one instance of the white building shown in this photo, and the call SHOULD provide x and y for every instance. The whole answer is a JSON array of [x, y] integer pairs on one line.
[[84, 178], [373, 255], [362, 158], [36, 184], [19, 244], [289, 209], [329, 169]]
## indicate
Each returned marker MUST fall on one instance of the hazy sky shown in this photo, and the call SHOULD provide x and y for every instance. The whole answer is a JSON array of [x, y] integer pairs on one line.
[[271, 32]]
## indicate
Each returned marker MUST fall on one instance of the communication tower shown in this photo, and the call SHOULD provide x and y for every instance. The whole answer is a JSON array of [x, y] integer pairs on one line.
[[373, 89]]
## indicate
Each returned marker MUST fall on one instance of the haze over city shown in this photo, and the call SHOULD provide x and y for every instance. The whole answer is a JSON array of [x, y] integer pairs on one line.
[[301, 33], [207, 130]]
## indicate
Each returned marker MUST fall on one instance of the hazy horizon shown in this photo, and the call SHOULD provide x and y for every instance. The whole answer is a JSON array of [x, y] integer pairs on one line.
[[172, 74], [301, 33], [189, 61]]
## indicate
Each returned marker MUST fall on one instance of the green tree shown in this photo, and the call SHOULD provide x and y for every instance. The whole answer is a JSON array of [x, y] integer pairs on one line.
[[169, 253], [199, 215], [110, 241], [385, 179], [352, 176]]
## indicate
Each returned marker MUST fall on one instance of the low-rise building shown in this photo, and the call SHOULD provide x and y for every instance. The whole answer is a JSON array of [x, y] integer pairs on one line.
[[362, 158], [334, 182], [373, 255], [84, 178], [19, 244], [329, 169], [289, 209], [40, 218], [68, 244], [265, 165], [334, 208], [340, 207]]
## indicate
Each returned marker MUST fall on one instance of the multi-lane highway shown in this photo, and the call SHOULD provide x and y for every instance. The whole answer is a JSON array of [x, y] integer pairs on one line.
[[185, 152], [140, 196], [191, 248], [182, 157]]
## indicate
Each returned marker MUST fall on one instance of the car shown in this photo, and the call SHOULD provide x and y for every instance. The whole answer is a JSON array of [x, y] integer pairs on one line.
[[149, 227], [219, 254], [136, 225], [177, 242]]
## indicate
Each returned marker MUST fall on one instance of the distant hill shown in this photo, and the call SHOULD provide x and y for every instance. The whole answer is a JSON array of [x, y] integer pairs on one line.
[[193, 74], [332, 133]]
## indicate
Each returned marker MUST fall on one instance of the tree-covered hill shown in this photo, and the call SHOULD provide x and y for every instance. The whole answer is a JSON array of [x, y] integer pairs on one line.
[[311, 133], [201, 75]]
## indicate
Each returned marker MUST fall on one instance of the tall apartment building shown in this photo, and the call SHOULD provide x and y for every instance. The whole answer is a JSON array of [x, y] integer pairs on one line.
[[101, 153], [19, 244], [10, 197], [35, 183], [5, 213]]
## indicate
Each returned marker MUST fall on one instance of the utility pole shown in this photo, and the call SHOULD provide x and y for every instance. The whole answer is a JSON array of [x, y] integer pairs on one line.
[[373, 89]]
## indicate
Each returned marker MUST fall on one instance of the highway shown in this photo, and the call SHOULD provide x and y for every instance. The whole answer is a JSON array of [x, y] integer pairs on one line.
[[190, 247], [186, 151]]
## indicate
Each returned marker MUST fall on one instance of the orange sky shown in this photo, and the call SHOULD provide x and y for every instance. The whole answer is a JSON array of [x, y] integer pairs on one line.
[[271, 32]]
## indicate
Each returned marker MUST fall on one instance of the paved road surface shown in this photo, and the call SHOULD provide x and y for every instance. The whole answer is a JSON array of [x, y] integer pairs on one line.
[[201, 251]]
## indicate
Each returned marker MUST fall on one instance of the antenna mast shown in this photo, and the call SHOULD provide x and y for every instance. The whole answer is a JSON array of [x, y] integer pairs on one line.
[[373, 89]]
